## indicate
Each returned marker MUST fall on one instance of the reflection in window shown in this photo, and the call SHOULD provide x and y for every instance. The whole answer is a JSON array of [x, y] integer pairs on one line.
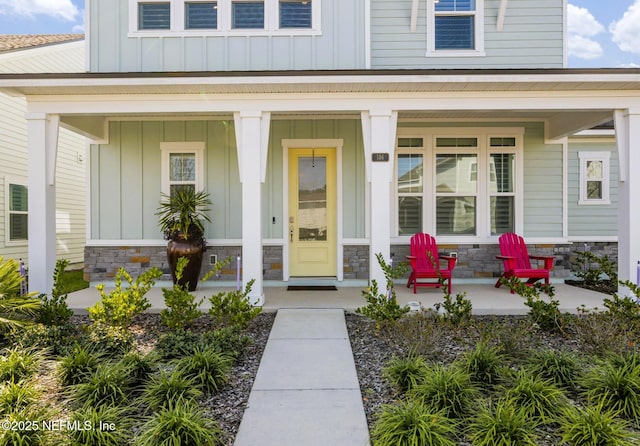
[[312, 198], [154, 16], [201, 15], [295, 14], [456, 215], [248, 15]]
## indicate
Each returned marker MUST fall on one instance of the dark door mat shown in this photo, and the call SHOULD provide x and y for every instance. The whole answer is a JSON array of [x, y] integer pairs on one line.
[[312, 288]]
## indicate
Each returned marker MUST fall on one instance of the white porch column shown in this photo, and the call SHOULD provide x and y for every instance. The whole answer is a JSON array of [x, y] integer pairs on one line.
[[42, 148], [627, 123], [252, 135], [379, 133]]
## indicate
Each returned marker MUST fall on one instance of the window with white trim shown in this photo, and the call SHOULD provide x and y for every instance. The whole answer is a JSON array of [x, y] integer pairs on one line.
[[466, 185], [594, 178], [182, 166], [17, 212], [455, 27], [170, 17]]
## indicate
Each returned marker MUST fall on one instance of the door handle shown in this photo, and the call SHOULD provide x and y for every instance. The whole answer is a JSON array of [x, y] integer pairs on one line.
[[291, 234]]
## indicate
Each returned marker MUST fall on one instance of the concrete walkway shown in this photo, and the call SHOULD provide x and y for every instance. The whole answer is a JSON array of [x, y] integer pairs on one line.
[[306, 391]]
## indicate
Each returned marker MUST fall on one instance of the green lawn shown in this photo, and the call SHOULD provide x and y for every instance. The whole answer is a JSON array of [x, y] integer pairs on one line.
[[73, 281]]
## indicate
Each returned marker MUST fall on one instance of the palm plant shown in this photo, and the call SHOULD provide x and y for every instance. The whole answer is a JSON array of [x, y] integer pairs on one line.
[[181, 214], [15, 310]]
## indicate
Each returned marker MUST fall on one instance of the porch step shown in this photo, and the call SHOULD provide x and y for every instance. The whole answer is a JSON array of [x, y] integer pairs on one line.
[[306, 391]]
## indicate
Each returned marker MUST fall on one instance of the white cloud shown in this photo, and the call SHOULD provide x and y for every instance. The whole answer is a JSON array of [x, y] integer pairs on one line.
[[62, 9], [582, 23], [629, 65], [584, 48], [626, 31], [582, 26]]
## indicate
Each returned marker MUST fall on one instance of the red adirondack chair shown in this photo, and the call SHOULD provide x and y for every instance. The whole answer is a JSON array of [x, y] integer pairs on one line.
[[425, 263], [516, 261]]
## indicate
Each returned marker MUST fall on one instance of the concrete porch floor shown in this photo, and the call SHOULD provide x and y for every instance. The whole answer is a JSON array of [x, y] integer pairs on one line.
[[485, 298]]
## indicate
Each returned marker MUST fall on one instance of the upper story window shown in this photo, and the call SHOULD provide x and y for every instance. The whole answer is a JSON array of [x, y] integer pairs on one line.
[[224, 17], [456, 28], [154, 15], [201, 15]]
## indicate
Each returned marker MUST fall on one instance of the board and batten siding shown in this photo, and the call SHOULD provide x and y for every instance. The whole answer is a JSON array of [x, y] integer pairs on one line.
[[592, 220], [126, 176], [341, 44], [532, 37], [71, 159]]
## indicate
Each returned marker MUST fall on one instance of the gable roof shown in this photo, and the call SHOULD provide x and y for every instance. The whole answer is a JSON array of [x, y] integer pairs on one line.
[[13, 42]]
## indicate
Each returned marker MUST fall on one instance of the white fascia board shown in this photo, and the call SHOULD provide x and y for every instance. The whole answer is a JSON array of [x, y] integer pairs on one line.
[[333, 102], [323, 79]]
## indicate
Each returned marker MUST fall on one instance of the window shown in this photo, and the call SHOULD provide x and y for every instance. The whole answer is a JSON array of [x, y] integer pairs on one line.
[[594, 177], [224, 17], [295, 14], [154, 16], [16, 198], [247, 15], [458, 186], [201, 15], [456, 27], [182, 166]]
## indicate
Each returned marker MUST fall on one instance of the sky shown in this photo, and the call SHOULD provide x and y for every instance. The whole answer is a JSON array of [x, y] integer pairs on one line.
[[602, 33]]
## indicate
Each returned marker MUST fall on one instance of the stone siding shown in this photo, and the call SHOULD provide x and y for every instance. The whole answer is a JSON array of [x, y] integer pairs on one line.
[[474, 261]]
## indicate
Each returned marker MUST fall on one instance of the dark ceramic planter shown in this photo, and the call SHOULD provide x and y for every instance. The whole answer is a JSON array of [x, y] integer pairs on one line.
[[192, 251]]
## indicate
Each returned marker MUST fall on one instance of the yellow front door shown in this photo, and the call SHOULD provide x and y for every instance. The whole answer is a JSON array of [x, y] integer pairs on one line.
[[312, 212]]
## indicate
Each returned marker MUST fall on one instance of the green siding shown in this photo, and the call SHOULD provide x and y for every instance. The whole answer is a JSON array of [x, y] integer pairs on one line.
[[532, 37], [126, 177], [113, 50], [592, 220], [543, 190]]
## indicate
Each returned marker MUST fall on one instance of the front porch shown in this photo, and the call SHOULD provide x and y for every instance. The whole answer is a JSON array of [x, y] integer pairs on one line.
[[485, 298]]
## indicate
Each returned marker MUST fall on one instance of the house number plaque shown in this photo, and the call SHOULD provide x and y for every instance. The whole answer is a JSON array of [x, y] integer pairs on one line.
[[379, 157]]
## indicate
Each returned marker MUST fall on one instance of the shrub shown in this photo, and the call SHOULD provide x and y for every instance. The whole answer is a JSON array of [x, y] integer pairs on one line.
[[78, 365], [209, 369], [139, 367], [182, 306], [546, 315], [233, 307], [55, 340], [457, 311], [593, 425], [502, 424], [109, 385], [410, 423], [615, 387], [164, 388], [17, 396], [563, 369], [447, 389], [179, 423], [16, 310], [537, 397], [228, 340], [25, 437], [121, 305], [17, 364], [602, 333], [384, 307], [112, 340], [405, 373], [593, 269], [625, 309], [54, 310], [98, 419], [485, 364], [177, 344]]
